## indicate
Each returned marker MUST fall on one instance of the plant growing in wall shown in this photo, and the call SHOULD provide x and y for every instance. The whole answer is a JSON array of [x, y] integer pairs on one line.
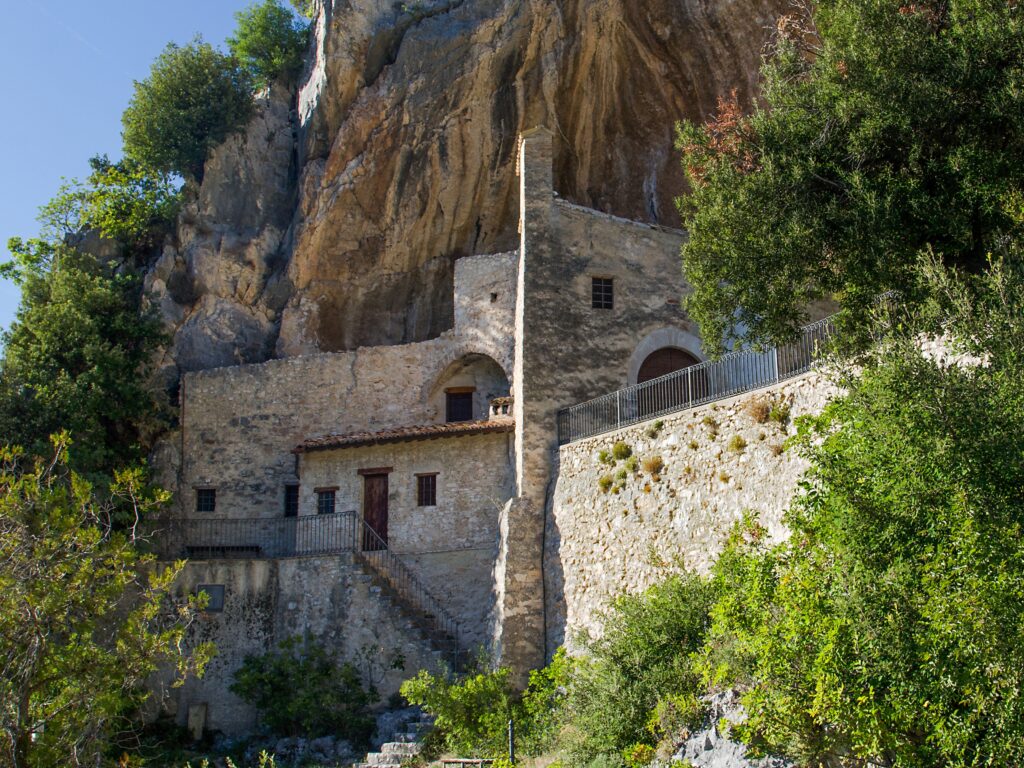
[[621, 451]]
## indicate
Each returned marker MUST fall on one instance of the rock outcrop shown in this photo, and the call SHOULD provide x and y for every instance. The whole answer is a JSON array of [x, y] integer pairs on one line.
[[336, 224]]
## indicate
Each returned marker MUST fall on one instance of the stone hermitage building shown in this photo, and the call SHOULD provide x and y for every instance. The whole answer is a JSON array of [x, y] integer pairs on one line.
[[398, 502]]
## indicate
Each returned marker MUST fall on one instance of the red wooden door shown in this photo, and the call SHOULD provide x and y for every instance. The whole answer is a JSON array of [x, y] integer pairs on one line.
[[375, 511]]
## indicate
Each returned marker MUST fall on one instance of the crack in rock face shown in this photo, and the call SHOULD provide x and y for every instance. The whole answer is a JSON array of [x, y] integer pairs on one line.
[[334, 221]]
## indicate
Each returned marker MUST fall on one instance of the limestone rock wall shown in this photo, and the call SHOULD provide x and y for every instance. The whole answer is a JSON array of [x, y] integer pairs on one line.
[[602, 543], [334, 221]]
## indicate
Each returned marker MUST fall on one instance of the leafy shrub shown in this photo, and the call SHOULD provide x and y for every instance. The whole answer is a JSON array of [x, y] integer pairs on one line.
[[780, 412], [472, 713], [711, 423], [737, 444], [300, 690], [193, 99], [604, 457], [605, 483], [621, 475], [777, 449], [632, 464], [654, 466], [642, 657], [268, 41], [621, 451], [694, 445], [638, 755]]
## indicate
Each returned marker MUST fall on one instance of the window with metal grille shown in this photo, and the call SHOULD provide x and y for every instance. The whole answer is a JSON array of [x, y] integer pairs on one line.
[[602, 294], [214, 595], [325, 501], [291, 500], [426, 490], [459, 406], [206, 500]]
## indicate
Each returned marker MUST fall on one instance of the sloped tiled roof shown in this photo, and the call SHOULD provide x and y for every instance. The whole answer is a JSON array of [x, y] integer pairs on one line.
[[406, 434]]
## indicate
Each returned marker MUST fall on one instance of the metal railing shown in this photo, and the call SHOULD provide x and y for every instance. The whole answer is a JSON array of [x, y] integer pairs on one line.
[[257, 538], [730, 375], [389, 566]]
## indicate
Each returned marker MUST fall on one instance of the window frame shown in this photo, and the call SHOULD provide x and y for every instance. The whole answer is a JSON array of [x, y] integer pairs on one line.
[[426, 489], [321, 495], [291, 500], [602, 292], [466, 395], [201, 494], [217, 594]]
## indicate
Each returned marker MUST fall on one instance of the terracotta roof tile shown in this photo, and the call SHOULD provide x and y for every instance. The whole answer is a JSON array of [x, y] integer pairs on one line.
[[406, 434]]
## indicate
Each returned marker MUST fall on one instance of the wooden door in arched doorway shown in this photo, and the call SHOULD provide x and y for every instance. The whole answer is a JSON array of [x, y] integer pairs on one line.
[[671, 394], [664, 361]]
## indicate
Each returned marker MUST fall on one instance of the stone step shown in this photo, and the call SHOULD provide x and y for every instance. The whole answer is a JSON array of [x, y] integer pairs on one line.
[[404, 748], [377, 758]]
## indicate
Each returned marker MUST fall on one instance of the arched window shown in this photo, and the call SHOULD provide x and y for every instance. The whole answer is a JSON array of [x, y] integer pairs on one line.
[[663, 361]]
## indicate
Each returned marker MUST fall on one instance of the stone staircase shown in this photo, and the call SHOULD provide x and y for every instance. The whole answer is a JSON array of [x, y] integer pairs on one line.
[[404, 745], [417, 616]]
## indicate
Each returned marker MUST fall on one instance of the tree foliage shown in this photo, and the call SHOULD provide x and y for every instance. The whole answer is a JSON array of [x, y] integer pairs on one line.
[[76, 357], [890, 627], [300, 690], [269, 42], [84, 619], [472, 712], [641, 659], [193, 99], [886, 128]]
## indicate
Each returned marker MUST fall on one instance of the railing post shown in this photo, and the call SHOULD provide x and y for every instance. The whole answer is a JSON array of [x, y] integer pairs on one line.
[[778, 373], [618, 409]]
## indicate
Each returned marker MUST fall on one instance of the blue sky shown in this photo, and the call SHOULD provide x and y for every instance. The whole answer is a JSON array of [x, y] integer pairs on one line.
[[66, 73]]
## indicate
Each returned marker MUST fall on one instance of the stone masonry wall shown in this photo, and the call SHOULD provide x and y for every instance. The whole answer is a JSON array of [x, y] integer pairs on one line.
[[240, 424], [450, 546], [600, 544], [268, 601]]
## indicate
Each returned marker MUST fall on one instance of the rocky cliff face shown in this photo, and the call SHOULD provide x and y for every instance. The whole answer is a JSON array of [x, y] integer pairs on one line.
[[335, 224]]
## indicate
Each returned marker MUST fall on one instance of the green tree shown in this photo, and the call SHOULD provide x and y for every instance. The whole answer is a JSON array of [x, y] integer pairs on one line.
[[193, 99], [303, 7], [300, 690], [889, 629], [84, 618], [128, 203], [268, 41], [885, 128], [77, 357]]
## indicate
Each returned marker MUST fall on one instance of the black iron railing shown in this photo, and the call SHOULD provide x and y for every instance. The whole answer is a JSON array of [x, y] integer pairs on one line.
[[257, 538], [731, 375], [389, 567]]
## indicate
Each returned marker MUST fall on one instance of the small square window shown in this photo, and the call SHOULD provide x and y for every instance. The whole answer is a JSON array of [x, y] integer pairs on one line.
[[459, 406], [291, 500], [215, 595], [206, 500], [325, 501], [602, 293], [426, 490]]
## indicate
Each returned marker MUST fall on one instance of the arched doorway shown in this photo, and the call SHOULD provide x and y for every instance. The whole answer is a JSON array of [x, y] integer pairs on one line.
[[656, 395], [664, 361], [465, 388]]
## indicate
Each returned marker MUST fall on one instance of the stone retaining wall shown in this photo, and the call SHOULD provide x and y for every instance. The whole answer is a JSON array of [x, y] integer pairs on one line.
[[719, 460]]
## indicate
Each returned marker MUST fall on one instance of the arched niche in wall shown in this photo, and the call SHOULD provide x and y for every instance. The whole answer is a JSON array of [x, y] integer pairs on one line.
[[465, 387], [662, 349]]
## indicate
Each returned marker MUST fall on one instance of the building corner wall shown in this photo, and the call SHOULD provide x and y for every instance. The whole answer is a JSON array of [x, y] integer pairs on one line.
[[519, 583]]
